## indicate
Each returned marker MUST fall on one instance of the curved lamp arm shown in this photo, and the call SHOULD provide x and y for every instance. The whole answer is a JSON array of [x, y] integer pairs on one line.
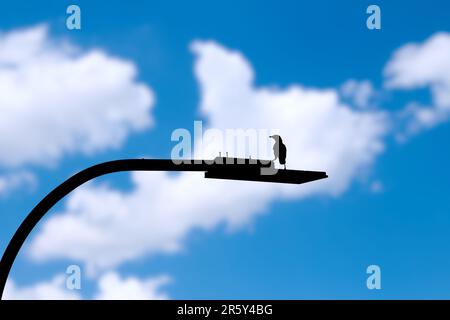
[[71, 184]]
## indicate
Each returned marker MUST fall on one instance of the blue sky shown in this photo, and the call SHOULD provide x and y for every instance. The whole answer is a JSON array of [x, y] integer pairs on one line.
[[313, 246]]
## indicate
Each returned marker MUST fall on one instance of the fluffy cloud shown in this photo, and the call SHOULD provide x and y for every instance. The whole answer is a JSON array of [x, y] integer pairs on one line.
[[112, 287], [57, 99], [360, 93], [11, 181], [320, 131], [423, 65], [104, 227], [54, 289]]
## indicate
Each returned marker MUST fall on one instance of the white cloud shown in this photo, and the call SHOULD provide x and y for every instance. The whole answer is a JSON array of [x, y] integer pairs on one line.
[[113, 287], [104, 227], [321, 132], [12, 181], [110, 286], [360, 93], [57, 99], [418, 66], [54, 289]]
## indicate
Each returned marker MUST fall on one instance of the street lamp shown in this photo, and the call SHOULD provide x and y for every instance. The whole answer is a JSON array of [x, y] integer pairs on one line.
[[219, 168]]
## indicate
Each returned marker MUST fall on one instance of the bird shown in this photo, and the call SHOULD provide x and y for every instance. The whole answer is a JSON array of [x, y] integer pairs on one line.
[[279, 149]]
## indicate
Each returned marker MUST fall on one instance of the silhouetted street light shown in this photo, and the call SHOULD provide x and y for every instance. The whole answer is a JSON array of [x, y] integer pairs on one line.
[[219, 168]]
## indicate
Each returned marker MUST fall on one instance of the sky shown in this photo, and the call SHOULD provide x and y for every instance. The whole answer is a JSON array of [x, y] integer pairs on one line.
[[369, 107]]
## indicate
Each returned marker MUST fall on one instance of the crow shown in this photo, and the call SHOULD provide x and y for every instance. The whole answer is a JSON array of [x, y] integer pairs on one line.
[[279, 149]]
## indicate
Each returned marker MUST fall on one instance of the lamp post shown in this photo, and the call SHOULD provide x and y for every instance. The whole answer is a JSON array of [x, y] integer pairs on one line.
[[219, 168]]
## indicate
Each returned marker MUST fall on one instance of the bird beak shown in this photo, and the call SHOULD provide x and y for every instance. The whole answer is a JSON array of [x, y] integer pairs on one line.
[[270, 136]]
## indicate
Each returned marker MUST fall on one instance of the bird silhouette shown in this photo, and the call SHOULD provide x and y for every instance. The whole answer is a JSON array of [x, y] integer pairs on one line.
[[279, 150]]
